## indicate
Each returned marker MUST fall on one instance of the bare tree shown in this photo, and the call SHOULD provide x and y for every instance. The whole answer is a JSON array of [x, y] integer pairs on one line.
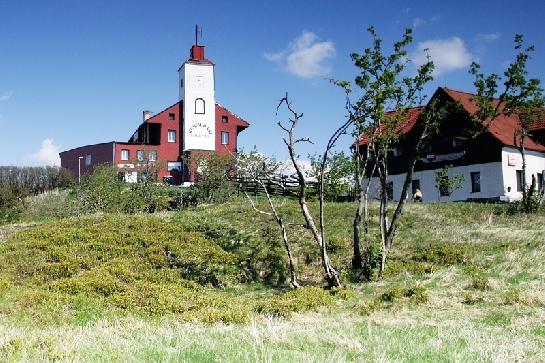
[[331, 275]]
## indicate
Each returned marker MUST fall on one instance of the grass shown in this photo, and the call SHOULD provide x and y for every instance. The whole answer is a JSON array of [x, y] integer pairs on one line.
[[464, 283]]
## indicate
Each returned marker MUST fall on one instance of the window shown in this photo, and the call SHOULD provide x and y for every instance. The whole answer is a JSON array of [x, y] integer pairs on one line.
[[475, 182], [88, 160], [171, 135], [540, 181], [171, 116], [519, 181], [415, 184], [199, 106], [124, 154], [457, 143], [224, 119], [152, 156], [224, 138], [397, 151], [181, 83], [140, 155], [174, 165]]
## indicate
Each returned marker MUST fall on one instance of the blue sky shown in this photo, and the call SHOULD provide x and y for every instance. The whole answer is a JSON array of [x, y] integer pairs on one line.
[[81, 72]]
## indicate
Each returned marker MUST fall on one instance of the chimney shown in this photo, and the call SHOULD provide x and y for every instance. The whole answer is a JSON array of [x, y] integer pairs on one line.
[[146, 115], [197, 52]]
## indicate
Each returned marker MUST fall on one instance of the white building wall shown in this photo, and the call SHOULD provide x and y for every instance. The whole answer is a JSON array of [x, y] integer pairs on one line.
[[199, 130], [512, 161], [491, 183]]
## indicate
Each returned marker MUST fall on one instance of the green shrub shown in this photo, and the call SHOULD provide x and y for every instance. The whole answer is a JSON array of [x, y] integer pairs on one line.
[[369, 307], [395, 267], [121, 246], [52, 205], [103, 191], [513, 296], [480, 282], [298, 300], [5, 283], [416, 294], [213, 181], [444, 254], [471, 298]]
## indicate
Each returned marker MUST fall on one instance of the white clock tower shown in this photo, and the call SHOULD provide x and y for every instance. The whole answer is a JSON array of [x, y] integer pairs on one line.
[[196, 83]]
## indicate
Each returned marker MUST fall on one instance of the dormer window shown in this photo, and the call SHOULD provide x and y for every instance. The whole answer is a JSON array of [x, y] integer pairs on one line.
[[199, 106], [457, 143]]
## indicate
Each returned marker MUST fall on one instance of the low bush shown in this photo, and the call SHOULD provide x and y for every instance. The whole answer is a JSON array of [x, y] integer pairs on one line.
[[103, 191], [417, 294], [368, 307], [445, 254], [480, 282], [471, 298], [298, 300]]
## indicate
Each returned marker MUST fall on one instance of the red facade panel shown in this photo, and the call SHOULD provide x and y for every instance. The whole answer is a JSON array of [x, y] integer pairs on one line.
[[91, 156]]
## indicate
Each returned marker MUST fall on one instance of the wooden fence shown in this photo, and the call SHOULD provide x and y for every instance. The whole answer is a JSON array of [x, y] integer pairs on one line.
[[281, 186]]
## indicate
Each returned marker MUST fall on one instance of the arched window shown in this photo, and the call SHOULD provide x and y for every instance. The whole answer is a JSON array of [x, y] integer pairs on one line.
[[199, 106]]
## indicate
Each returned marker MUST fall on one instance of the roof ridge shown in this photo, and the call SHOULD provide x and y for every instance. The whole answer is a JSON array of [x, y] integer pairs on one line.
[[459, 91]]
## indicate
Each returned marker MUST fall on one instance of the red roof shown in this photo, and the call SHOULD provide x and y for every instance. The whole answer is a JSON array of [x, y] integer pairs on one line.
[[238, 120], [540, 125], [403, 128], [503, 128]]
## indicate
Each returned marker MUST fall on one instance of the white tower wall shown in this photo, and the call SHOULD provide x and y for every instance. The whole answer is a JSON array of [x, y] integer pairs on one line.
[[196, 84]]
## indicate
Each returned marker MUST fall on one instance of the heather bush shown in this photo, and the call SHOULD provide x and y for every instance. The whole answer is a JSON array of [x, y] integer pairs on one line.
[[298, 300]]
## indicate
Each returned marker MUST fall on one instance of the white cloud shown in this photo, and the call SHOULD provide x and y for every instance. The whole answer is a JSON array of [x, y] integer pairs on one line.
[[488, 36], [6, 96], [419, 21], [47, 155], [447, 54], [305, 56]]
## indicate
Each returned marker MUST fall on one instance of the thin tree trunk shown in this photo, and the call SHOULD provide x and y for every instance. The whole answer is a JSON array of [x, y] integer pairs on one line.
[[383, 217], [525, 199], [404, 190], [293, 276], [279, 220], [356, 226]]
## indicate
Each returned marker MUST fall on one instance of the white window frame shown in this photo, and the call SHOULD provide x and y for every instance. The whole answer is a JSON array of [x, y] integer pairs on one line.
[[154, 157], [140, 155], [125, 154], [171, 136], [224, 138], [174, 165], [200, 106]]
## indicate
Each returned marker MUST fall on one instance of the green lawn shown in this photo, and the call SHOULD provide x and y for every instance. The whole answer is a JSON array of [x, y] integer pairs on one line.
[[465, 282]]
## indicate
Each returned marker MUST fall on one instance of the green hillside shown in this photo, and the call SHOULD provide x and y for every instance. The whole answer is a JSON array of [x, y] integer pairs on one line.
[[465, 282]]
